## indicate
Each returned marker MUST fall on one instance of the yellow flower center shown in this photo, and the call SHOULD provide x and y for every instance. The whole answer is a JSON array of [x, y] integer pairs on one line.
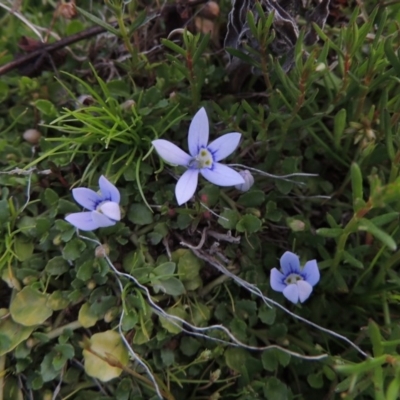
[[202, 160], [293, 278]]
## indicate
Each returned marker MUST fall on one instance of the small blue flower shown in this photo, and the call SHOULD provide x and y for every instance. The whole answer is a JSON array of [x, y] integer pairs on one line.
[[295, 283], [103, 206], [203, 158]]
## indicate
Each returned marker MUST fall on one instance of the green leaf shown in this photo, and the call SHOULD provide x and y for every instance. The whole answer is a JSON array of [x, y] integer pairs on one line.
[[385, 218], [267, 315], [174, 47], [189, 346], [242, 56], [57, 266], [73, 249], [139, 214], [201, 48], [171, 286], [339, 124], [167, 357], [329, 232], [12, 334], [23, 248], [235, 359], [316, 380], [46, 107], [228, 219], [50, 198], [47, 370], [108, 345], [86, 316], [58, 300], [391, 55], [63, 353], [352, 260], [4, 211], [188, 264], [387, 240], [376, 338], [98, 21], [249, 224], [29, 307], [4, 90], [269, 360], [275, 389], [273, 213], [200, 314], [85, 271], [171, 325], [165, 269], [356, 185], [124, 389]]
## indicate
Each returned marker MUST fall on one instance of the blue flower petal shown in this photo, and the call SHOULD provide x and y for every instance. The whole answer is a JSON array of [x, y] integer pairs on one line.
[[101, 220], [277, 280], [311, 272], [111, 210], [291, 292], [82, 221], [224, 145], [198, 132], [222, 175], [304, 289], [171, 153], [108, 190], [186, 185], [290, 263], [86, 198]]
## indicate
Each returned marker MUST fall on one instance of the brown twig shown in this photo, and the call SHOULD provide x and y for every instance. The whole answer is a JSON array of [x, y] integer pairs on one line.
[[52, 47]]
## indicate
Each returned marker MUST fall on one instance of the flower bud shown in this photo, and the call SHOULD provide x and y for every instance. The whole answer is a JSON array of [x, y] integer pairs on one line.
[[91, 285], [248, 181], [57, 240], [111, 314], [210, 10], [84, 100], [296, 225], [214, 376], [128, 104], [29, 279], [102, 251], [205, 355], [67, 10], [32, 136]]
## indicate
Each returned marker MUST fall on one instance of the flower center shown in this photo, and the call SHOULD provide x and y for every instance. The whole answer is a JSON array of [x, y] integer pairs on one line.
[[203, 160], [293, 279]]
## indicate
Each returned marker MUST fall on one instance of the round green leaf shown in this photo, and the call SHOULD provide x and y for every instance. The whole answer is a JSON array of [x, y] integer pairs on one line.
[[139, 214], [29, 307], [109, 346], [248, 223], [86, 316], [11, 335]]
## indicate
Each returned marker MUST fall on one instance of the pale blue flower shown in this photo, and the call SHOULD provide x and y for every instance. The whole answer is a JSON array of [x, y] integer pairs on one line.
[[203, 158], [295, 283], [103, 206]]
